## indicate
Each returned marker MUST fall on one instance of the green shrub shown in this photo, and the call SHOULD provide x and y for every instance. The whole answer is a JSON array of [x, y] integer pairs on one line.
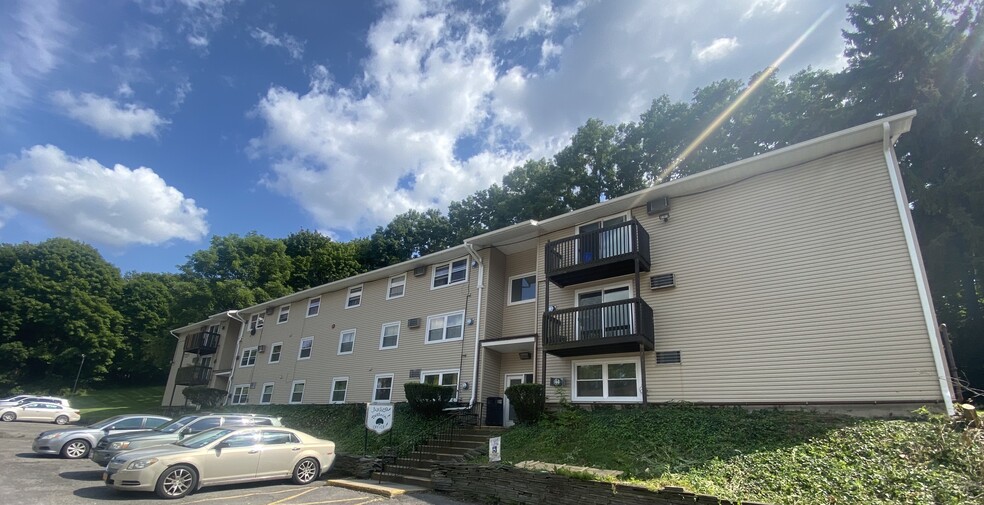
[[527, 399], [203, 396], [428, 400]]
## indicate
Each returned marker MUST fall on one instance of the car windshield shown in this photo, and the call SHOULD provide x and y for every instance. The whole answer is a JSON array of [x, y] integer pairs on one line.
[[105, 422], [14, 398], [204, 438], [175, 425]]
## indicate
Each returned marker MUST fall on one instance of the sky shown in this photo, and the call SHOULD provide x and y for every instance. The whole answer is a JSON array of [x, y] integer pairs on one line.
[[146, 127]]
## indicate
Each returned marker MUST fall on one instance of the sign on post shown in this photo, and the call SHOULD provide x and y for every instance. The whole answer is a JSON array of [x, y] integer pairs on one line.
[[495, 447], [379, 418]]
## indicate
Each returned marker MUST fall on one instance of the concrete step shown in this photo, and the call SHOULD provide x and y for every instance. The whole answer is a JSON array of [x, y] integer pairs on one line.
[[403, 479], [464, 445], [423, 471], [438, 454]]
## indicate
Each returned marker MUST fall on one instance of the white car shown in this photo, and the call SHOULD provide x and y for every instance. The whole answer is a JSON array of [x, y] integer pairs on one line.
[[221, 456], [40, 411], [24, 399]]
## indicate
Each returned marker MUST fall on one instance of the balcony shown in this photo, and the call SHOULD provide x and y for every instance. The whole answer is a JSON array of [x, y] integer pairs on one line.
[[201, 343], [193, 376], [598, 254], [604, 328]]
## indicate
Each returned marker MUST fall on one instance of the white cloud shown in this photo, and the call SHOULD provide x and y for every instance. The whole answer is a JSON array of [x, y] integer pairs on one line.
[[124, 90], [32, 37], [181, 92], [109, 117], [717, 49], [523, 18], [293, 46], [81, 198], [201, 18]]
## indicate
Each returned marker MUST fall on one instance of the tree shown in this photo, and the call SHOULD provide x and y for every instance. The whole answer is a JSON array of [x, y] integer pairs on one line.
[[316, 259], [146, 306]]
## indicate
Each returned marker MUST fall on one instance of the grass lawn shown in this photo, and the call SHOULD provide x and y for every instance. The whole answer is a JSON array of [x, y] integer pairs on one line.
[[100, 404]]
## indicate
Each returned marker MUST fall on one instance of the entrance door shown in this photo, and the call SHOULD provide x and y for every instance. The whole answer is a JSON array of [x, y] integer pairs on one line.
[[511, 380], [608, 242], [600, 322]]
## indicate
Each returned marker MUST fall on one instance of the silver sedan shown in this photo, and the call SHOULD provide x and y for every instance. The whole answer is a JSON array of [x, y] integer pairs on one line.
[[221, 456], [38, 411], [75, 443]]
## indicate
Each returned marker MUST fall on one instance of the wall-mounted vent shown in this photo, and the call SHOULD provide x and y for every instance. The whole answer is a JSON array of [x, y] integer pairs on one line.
[[252, 385], [661, 281], [668, 357], [414, 373], [420, 271], [413, 323], [659, 205], [261, 349], [269, 311]]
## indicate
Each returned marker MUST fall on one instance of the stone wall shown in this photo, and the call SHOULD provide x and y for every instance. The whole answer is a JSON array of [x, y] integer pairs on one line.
[[348, 465]]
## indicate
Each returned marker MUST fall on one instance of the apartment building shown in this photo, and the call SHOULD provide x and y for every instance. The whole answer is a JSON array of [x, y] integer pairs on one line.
[[793, 278]]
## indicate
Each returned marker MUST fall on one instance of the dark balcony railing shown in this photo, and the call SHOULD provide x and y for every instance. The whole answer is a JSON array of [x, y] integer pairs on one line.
[[598, 254], [193, 375], [604, 328], [201, 343]]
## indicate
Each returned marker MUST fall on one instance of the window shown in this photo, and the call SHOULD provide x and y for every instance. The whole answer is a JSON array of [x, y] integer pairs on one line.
[[522, 288], [314, 306], [443, 378], [267, 394], [450, 273], [397, 286], [612, 381], [339, 387], [354, 297], [240, 395], [445, 327], [249, 357], [307, 343], [284, 314], [275, 351], [255, 321], [390, 336], [382, 390], [277, 438], [153, 422], [134, 423], [205, 362], [346, 343], [297, 392]]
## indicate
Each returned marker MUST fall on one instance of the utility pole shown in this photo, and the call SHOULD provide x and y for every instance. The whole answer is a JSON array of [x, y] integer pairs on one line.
[[76, 385]]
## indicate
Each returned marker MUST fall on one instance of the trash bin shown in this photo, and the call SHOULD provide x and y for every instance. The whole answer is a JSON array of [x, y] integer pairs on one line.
[[493, 411]]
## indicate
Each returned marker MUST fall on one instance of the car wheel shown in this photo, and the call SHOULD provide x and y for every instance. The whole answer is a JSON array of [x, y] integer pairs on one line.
[[176, 482], [8, 416], [75, 449], [61, 420], [306, 471]]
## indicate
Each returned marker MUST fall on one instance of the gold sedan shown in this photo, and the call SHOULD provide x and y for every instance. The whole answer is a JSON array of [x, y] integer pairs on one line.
[[221, 456]]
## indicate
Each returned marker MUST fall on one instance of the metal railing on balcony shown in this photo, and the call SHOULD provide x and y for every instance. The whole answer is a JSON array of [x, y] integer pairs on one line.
[[617, 326], [193, 375], [203, 342], [597, 254]]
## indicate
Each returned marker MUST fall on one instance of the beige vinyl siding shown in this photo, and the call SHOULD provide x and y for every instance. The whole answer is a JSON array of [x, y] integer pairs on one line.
[[491, 378], [519, 319], [495, 292]]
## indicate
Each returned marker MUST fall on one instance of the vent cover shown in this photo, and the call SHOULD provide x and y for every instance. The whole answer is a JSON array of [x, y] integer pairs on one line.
[[260, 349], [414, 373], [269, 310], [420, 271], [658, 205], [661, 281], [668, 357], [413, 323]]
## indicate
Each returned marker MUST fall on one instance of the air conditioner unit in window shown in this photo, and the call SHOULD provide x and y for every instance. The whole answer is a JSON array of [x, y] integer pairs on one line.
[[658, 205], [252, 385], [261, 349], [413, 322], [269, 311], [420, 271]]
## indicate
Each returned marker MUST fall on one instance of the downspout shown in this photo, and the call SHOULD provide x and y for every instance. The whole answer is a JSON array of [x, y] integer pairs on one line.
[[915, 256], [234, 314], [478, 319]]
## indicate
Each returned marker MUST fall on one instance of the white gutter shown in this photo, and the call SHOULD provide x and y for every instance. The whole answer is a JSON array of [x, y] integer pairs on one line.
[[478, 319], [915, 256], [234, 314]]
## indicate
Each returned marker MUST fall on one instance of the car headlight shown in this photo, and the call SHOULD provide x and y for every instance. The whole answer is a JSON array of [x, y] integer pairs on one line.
[[140, 464], [118, 446], [52, 436]]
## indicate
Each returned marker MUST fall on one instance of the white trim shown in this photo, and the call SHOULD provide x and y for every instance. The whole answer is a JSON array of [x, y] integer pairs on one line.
[[341, 340], [604, 379], [509, 289], [445, 338], [375, 386], [281, 313], [360, 291], [450, 265], [255, 350], [263, 388], [382, 333], [236, 388], [440, 375], [627, 215], [389, 286], [606, 287], [915, 257], [331, 392], [280, 355], [300, 348], [293, 386], [307, 313]]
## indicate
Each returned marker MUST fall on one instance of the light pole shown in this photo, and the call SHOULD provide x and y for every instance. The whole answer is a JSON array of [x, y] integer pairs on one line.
[[76, 385]]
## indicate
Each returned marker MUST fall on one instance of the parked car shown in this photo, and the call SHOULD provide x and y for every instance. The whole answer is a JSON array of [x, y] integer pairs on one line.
[[13, 399], [221, 456], [24, 399], [173, 431], [75, 443], [40, 411]]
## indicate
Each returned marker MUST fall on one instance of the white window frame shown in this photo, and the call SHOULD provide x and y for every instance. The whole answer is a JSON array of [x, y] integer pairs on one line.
[[604, 378], [445, 338], [238, 390], [341, 340], [263, 391], [254, 351], [509, 289], [440, 377], [279, 354], [331, 394], [256, 321], [627, 215], [382, 335], [602, 289], [391, 284], [450, 266], [300, 349], [293, 389], [375, 387], [315, 303], [354, 292], [282, 313]]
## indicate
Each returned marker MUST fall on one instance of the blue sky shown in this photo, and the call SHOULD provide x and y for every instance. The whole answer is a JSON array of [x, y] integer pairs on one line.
[[145, 127]]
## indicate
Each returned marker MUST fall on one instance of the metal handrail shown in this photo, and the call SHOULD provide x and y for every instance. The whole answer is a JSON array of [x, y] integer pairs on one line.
[[596, 322], [597, 246], [401, 459]]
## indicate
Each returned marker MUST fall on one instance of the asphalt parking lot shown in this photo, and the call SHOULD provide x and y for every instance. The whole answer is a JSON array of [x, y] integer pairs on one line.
[[34, 479]]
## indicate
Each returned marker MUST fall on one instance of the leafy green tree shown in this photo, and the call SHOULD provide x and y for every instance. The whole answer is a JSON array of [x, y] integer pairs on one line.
[[316, 259], [408, 235], [146, 306]]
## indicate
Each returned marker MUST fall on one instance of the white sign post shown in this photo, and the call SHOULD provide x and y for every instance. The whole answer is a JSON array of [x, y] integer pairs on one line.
[[495, 449], [379, 418]]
